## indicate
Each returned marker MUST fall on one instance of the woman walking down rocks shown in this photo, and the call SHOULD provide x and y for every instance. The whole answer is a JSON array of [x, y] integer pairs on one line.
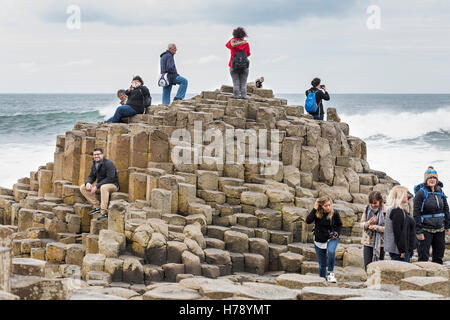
[[327, 229], [431, 214], [397, 225], [372, 222], [239, 63]]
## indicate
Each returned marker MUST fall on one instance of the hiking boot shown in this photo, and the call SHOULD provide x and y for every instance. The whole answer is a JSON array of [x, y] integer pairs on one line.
[[94, 211], [102, 216], [175, 99], [331, 278]]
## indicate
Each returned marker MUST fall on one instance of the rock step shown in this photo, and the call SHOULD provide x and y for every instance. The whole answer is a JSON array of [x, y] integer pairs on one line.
[[271, 236]]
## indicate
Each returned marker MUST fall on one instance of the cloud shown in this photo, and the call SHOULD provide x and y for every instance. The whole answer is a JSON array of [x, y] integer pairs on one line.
[[208, 59], [279, 59], [234, 12], [78, 63], [29, 67]]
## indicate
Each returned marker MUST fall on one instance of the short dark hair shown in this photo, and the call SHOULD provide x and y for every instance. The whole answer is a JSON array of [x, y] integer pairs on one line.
[[98, 149], [138, 78], [375, 196], [121, 91], [239, 33], [315, 82]]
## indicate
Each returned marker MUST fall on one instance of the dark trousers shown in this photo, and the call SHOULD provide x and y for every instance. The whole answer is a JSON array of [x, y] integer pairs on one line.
[[434, 240], [318, 117], [396, 257], [368, 255]]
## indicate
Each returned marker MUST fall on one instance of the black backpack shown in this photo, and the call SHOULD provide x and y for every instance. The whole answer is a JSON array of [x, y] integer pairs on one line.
[[240, 61], [146, 100]]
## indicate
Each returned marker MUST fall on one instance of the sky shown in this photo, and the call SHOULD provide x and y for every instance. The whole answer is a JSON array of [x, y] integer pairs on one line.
[[291, 41]]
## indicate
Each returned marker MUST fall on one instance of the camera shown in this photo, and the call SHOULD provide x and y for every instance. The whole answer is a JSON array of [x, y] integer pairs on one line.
[[333, 234]]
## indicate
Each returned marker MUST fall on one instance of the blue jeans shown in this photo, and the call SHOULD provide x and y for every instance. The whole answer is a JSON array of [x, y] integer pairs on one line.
[[181, 93], [324, 260], [409, 255], [318, 117], [396, 257], [122, 112]]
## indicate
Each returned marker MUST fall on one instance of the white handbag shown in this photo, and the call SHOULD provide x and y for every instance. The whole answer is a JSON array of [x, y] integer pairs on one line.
[[163, 81]]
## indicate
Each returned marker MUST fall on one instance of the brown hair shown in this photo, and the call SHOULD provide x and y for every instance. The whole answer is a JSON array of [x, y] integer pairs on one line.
[[375, 196], [320, 211], [239, 33]]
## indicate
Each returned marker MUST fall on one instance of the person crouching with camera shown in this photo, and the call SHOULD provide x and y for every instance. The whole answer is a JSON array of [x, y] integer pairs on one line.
[[327, 228]]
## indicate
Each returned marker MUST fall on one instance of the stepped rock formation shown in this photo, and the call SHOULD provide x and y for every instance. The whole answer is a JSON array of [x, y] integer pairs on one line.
[[212, 229]]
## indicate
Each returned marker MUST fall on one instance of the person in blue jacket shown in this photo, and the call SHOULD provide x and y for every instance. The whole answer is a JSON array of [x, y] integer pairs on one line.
[[431, 213], [167, 62]]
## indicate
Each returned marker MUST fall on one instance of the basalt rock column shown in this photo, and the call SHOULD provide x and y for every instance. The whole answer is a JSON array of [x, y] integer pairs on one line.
[[5, 259]]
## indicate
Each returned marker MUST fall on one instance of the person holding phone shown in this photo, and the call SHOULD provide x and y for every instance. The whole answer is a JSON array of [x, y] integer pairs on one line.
[[372, 222], [139, 99], [327, 229], [239, 63], [321, 94]]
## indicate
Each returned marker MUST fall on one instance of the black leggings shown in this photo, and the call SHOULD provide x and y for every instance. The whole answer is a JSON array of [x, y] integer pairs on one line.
[[434, 240], [368, 255]]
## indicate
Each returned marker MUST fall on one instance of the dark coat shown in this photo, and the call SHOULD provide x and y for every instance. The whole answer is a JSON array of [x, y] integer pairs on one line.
[[319, 97], [434, 204], [323, 227], [404, 234], [106, 174], [136, 98], [168, 66]]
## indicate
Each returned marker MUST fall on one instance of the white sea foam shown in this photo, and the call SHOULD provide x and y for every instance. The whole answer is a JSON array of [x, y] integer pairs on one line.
[[397, 126], [402, 160], [407, 163], [17, 160], [108, 111]]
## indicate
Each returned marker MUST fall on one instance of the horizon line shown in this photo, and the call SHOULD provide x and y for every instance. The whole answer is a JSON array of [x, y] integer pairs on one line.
[[275, 93]]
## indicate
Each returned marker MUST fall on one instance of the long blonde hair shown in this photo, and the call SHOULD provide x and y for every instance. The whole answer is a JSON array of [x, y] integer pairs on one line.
[[395, 197], [320, 211]]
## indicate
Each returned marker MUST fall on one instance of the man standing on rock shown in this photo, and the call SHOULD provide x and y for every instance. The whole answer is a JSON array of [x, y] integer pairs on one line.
[[168, 66], [104, 172]]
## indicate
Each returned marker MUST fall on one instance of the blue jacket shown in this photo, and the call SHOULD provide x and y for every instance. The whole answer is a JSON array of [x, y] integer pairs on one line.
[[168, 66]]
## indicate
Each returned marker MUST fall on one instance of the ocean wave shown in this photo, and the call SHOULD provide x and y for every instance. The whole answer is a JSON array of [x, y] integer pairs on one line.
[[400, 125], [47, 114]]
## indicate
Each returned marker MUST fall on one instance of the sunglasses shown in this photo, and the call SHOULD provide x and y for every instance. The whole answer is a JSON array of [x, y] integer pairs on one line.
[[432, 171]]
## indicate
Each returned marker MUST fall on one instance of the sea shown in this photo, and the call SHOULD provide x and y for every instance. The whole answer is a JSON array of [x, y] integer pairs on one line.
[[405, 133]]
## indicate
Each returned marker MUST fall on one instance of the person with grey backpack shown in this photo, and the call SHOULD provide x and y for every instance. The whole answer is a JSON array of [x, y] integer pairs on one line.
[[239, 63]]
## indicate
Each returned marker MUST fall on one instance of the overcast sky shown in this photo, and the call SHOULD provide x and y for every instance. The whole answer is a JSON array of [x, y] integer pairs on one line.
[[292, 41]]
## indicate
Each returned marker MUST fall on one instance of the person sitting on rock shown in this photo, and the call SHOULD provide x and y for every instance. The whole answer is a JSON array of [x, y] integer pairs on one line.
[[372, 222], [259, 82], [327, 229], [122, 97], [397, 226], [167, 64], [239, 64], [139, 99], [104, 172], [431, 213], [321, 94]]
